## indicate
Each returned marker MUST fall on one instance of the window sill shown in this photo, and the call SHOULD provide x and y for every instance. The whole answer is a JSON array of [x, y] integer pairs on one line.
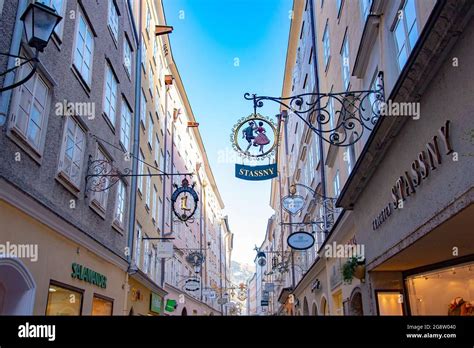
[[64, 180], [109, 122], [81, 80], [19, 139], [128, 72], [118, 227], [114, 39], [97, 208]]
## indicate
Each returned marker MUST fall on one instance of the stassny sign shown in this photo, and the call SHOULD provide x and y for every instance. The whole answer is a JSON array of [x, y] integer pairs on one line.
[[426, 161], [255, 173]]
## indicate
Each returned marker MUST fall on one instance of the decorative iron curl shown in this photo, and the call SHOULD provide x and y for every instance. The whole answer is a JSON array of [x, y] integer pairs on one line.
[[340, 118], [102, 175]]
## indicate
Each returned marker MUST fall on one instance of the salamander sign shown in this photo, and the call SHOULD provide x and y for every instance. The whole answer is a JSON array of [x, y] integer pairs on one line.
[[86, 274]]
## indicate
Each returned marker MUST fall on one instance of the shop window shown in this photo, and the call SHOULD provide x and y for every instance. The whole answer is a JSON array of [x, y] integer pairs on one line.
[[63, 300], [447, 291], [337, 300], [102, 305], [389, 302]]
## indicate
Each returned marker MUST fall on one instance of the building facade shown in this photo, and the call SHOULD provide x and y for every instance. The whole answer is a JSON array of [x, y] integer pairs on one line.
[[360, 46], [107, 98], [76, 110]]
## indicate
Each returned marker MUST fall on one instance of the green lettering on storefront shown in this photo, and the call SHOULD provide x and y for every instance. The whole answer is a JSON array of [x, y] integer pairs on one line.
[[86, 274]]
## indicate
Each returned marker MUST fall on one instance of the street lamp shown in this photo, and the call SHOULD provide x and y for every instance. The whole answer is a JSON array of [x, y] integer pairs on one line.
[[39, 22]]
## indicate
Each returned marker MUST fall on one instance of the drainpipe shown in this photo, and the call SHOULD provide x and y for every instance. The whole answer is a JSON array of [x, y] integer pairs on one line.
[[220, 265], [200, 223], [163, 208], [136, 133], [321, 147]]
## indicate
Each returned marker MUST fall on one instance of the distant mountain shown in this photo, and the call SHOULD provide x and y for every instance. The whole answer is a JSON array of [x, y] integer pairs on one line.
[[241, 272]]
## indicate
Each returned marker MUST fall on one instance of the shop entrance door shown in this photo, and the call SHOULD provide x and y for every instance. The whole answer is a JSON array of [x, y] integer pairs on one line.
[[17, 288]]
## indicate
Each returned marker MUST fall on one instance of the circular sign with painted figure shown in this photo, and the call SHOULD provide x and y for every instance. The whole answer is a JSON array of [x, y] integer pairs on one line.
[[293, 204], [300, 240], [254, 137], [184, 201]]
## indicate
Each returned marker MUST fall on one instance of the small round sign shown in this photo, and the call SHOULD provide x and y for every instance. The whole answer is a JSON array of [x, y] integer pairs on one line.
[[192, 284], [300, 240]]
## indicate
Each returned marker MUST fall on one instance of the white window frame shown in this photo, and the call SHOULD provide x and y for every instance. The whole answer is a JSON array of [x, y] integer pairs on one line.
[[127, 56], [148, 190], [407, 44], [336, 184], [143, 109], [143, 54], [345, 63], [119, 215], [365, 6], [31, 86], [154, 207], [110, 94], [141, 169], [78, 130], [138, 242], [126, 126], [60, 11], [113, 20], [326, 45], [151, 125], [79, 69], [157, 151]]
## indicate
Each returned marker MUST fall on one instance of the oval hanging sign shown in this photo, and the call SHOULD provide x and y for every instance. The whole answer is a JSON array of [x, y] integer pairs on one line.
[[300, 240], [192, 284]]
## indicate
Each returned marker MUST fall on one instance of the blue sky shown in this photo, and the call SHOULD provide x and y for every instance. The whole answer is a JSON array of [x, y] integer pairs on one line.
[[224, 49]]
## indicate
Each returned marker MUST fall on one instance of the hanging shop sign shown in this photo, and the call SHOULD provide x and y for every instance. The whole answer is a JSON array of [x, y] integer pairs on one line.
[[293, 204], [184, 201], [195, 258], [254, 173], [300, 240], [156, 303], [255, 138], [192, 284], [171, 305], [407, 184], [164, 250], [86, 274], [269, 287]]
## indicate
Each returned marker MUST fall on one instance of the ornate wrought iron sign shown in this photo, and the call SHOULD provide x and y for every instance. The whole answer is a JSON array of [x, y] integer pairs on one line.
[[339, 119], [184, 201], [195, 258]]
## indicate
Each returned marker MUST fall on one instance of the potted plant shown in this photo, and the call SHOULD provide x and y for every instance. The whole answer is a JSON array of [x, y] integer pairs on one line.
[[354, 267]]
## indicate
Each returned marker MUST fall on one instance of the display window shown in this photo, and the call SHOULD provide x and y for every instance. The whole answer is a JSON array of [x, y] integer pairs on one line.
[[446, 291], [102, 305], [389, 302], [64, 300]]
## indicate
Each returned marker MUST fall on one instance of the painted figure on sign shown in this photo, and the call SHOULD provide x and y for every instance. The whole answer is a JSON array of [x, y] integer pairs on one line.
[[248, 134], [261, 139]]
